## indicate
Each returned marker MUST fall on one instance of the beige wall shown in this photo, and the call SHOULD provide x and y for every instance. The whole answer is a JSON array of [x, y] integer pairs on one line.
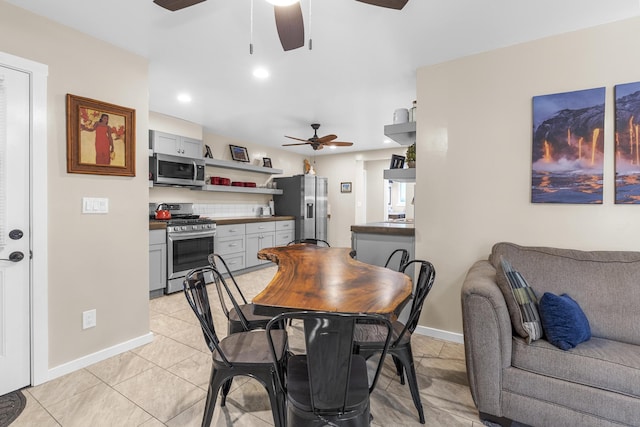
[[474, 156], [95, 261]]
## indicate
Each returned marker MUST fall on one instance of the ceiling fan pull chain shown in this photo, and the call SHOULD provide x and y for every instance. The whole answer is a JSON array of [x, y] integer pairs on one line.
[[310, 39], [251, 31]]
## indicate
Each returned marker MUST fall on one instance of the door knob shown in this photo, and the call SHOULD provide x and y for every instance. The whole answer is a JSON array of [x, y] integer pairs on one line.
[[16, 256]]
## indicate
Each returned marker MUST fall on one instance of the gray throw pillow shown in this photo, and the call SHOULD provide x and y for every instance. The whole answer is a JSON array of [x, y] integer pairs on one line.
[[521, 302]]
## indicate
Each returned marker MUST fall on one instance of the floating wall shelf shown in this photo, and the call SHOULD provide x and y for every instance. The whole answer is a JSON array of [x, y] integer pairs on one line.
[[402, 133]]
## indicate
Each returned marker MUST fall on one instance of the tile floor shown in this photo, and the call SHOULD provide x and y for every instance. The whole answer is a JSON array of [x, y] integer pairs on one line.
[[165, 382]]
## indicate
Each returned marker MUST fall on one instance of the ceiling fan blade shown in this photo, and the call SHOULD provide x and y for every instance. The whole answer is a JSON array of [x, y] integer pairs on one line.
[[290, 26], [297, 139], [391, 4], [298, 143], [327, 138], [339, 144], [174, 5]]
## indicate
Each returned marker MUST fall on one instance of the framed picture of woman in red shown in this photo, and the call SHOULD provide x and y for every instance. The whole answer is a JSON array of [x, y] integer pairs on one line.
[[100, 137]]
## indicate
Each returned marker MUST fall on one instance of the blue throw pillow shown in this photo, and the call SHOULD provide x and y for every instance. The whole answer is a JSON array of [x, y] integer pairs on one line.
[[563, 321]]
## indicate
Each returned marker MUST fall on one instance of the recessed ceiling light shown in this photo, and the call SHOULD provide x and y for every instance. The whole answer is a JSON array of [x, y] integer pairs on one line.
[[261, 73], [282, 2], [184, 98]]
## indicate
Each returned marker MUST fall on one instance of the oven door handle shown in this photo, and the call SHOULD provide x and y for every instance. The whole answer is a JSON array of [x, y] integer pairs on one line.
[[185, 236]]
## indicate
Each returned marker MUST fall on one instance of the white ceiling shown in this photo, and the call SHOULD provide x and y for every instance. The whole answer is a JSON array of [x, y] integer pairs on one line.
[[362, 66]]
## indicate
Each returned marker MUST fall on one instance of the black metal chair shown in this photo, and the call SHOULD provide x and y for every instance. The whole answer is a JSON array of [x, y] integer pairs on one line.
[[328, 386], [240, 315], [243, 353], [402, 257], [317, 242], [369, 339]]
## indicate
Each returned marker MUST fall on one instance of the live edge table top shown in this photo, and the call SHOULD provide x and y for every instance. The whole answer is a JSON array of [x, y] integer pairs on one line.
[[311, 277]]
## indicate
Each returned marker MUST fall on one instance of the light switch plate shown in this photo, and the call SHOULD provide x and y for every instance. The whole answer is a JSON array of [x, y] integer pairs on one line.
[[95, 205]]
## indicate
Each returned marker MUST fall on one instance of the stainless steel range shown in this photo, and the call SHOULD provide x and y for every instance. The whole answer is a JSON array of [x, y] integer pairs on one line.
[[189, 242]]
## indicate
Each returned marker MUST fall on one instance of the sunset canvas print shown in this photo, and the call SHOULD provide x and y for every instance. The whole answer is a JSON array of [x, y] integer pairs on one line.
[[568, 147], [627, 143]]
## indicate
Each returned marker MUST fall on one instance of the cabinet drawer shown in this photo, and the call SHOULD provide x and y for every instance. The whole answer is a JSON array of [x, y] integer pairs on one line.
[[285, 225], [260, 227], [157, 237], [284, 237], [229, 245], [235, 262], [230, 230]]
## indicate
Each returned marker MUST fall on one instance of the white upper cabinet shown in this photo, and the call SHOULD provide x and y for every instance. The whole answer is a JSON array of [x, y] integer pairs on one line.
[[175, 145]]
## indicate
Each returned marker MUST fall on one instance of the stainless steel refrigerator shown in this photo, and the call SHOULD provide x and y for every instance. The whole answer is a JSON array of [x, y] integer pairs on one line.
[[305, 197]]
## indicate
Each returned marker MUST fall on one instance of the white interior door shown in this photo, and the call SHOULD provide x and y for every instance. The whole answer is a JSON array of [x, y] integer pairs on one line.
[[15, 354]]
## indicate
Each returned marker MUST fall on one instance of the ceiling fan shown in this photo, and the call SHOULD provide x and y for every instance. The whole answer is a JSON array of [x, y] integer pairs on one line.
[[289, 22], [318, 143]]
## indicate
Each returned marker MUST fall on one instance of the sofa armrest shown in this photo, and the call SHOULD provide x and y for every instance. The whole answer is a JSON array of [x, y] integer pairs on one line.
[[487, 336]]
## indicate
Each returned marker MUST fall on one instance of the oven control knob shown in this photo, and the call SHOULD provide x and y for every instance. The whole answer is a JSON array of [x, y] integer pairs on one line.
[[194, 227], [183, 228]]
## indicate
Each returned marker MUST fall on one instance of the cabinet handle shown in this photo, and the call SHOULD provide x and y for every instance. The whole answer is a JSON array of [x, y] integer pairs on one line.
[[233, 244]]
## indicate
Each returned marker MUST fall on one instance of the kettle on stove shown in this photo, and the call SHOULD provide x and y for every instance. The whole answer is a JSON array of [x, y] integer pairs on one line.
[[163, 212]]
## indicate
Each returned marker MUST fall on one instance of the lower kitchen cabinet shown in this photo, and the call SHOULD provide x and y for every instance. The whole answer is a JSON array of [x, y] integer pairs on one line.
[[285, 232], [260, 235], [157, 262], [229, 243]]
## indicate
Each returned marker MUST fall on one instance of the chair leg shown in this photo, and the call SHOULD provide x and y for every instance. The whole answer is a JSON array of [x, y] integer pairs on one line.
[[399, 369], [212, 396], [225, 390], [405, 355]]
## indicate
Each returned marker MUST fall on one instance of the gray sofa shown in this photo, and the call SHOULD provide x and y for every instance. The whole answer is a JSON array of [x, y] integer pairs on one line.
[[597, 383]]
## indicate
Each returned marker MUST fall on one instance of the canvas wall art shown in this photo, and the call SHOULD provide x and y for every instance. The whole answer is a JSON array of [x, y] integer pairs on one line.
[[568, 147], [627, 143]]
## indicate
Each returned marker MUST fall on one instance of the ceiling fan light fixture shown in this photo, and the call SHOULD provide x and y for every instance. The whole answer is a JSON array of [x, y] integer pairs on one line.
[[261, 73], [282, 2]]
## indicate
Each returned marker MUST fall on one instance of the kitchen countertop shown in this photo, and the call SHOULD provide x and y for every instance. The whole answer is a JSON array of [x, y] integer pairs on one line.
[[162, 225], [397, 228]]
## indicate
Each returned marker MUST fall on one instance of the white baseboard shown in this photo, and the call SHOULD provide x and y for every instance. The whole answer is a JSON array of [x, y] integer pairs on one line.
[[440, 334], [98, 356]]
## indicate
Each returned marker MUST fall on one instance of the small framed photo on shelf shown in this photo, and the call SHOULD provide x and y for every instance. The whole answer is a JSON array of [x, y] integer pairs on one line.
[[397, 162], [239, 153], [345, 187], [208, 154], [266, 162]]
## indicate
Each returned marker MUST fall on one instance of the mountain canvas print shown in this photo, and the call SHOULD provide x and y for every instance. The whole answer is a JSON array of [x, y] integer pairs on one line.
[[627, 143], [568, 147]]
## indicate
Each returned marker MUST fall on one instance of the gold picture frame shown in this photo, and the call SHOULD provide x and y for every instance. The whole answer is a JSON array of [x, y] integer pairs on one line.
[[100, 137]]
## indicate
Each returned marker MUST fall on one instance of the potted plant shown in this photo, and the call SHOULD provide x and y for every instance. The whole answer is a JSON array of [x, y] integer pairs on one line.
[[411, 155]]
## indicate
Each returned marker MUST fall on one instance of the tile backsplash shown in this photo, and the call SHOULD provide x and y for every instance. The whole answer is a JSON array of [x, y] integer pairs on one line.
[[219, 210]]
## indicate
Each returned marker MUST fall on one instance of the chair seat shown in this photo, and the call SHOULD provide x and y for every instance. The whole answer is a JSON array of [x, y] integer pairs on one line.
[[252, 347], [298, 383], [367, 334]]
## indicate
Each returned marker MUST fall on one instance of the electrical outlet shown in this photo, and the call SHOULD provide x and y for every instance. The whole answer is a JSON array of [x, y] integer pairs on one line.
[[89, 319]]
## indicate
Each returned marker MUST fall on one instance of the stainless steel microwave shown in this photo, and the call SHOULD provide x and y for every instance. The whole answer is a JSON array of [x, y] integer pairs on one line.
[[175, 170]]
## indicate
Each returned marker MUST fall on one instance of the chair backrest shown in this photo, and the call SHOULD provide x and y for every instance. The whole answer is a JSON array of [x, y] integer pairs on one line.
[[402, 257], [329, 350], [195, 291], [229, 296], [425, 281], [317, 242]]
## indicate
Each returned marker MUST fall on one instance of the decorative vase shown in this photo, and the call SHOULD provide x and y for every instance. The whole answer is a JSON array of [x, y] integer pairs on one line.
[[411, 163]]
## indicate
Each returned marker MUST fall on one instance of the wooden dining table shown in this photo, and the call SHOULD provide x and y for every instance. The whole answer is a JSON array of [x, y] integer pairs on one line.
[[315, 278]]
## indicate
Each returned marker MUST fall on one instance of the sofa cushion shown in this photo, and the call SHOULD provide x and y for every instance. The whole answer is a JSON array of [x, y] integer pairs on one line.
[[564, 323], [606, 283], [521, 301], [601, 363]]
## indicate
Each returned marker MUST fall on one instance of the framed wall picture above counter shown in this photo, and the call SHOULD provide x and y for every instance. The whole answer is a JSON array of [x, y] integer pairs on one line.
[[239, 153], [345, 187]]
